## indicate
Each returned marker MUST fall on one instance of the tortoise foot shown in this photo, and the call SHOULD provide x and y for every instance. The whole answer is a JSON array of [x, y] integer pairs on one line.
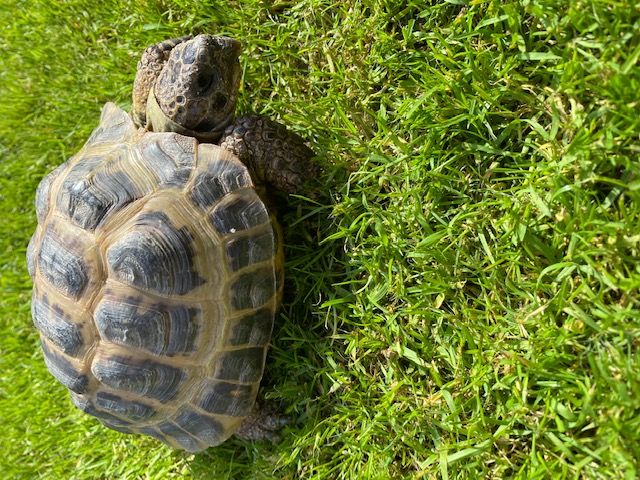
[[263, 423]]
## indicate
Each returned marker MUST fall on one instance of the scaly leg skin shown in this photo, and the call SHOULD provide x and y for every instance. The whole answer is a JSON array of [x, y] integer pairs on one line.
[[263, 423], [274, 155], [149, 67]]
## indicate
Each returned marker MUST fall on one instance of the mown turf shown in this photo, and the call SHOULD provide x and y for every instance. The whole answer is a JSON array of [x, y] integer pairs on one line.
[[462, 303]]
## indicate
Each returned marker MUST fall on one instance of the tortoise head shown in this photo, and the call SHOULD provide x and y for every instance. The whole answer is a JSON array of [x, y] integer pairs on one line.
[[196, 89]]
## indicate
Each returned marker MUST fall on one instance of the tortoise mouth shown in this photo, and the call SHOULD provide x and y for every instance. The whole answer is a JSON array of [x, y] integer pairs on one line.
[[209, 126], [217, 104], [206, 131], [205, 126]]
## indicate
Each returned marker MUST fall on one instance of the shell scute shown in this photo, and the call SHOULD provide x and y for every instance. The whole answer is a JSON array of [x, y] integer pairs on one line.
[[85, 404], [251, 329], [68, 261], [130, 410], [201, 426], [218, 179], [252, 290], [243, 366], [31, 255], [180, 436], [141, 377], [169, 156], [160, 328], [115, 126], [250, 249], [240, 211], [57, 325], [43, 192], [226, 398], [64, 371], [155, 256], [155, 433], [96, 186]]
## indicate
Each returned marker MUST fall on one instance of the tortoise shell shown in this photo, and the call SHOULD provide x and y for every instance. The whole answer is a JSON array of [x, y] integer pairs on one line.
[[156, 280]]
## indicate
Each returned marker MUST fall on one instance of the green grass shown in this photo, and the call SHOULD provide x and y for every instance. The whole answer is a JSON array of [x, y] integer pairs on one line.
[[462, 303]]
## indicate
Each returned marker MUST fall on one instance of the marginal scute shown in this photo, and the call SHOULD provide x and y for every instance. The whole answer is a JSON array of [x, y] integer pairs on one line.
[[224, 398], [201, 426], [160, 328], [279, 281], [153, 432], [250, 249], [142, 377], [31, 255], [220, 178], [156, 256], [252, 329], [240, 365], [87, 406], [56, 325], [64, 371], [71, 199], [43, 190], [252, 290], [119, 428], [177, 434], [115, 126], [62, 261], [239, 212], [121, 407]]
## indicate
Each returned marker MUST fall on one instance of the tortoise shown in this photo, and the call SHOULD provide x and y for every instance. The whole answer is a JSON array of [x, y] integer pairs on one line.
[[157, 261]]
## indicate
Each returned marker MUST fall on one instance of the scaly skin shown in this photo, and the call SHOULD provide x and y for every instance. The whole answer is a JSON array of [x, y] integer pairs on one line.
[[149, 67], [273, 154]]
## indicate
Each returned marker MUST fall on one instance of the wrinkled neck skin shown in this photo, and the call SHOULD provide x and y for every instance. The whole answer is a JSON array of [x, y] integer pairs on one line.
[[158, 121]]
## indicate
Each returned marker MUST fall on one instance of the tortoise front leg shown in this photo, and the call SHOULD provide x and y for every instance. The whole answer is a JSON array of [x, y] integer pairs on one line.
[[149, 67], [275, 156]]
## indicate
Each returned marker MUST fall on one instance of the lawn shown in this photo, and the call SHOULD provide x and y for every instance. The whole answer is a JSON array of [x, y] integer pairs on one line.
[[462, 301]]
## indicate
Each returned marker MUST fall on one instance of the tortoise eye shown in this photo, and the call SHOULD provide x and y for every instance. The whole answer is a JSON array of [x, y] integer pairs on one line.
[[204, 81], [208, 78], [219, 101]]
